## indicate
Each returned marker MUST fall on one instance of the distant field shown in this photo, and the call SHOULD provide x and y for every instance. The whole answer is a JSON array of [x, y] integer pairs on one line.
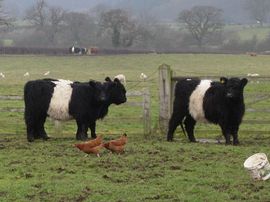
[[151, 168], [247, 32]]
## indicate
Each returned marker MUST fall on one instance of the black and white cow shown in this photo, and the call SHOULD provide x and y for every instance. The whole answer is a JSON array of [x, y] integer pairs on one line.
[[78, 50], [64, 100], [205, 101]]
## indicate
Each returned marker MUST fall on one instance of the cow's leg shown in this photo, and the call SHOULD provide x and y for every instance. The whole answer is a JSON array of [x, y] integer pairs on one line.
[[78, 133], [175, 120], [40, 128], [85, 129], [82, 129], [234, 132], [30, 132], [189, 126], [92, 126], [226, 133], [235, 139], [30, 126]]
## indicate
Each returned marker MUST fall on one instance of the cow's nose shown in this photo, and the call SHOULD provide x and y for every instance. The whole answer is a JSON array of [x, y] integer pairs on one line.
[[229, 95], [102, 98]]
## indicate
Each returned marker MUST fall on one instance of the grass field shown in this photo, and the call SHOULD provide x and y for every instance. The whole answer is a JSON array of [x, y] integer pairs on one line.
[[248, 32], [151, 169]]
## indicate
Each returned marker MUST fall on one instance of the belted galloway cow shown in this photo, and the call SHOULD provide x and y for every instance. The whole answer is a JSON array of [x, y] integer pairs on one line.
[[219, 102], [64, 100]]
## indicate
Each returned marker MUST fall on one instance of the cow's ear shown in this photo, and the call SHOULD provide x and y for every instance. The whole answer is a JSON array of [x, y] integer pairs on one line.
[[223, 80], [108, 79], [92, 83], [116, 80], [244, 82]]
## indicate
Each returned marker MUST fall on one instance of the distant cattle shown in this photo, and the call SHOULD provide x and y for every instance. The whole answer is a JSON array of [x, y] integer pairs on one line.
[[251, 53], [205, 101], [93, 50], [64, 100], [78, 50]]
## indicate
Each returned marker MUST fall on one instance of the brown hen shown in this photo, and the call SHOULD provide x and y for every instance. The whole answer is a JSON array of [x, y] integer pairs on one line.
[[118, 145], [91, 146]]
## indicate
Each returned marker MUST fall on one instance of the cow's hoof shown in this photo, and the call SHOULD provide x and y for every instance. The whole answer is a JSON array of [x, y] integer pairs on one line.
[[94, 136], [236, 143], [31, 139], [45, 137], [82, 138], [79, 137]]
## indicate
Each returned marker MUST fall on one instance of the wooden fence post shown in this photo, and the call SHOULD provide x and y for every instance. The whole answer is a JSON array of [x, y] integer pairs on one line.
[[146, 112], [165, 95]]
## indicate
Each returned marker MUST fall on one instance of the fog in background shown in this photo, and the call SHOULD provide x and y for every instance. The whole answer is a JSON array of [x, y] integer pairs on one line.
[[234, 25], [163, 10]]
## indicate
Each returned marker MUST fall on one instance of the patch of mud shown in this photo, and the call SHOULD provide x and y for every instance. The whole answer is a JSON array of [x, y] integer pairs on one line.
[[3, 193], [86, 192]]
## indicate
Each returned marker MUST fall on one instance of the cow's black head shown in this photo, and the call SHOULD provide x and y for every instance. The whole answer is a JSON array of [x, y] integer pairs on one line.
[[100, 91], [234, 87], [116, 91]]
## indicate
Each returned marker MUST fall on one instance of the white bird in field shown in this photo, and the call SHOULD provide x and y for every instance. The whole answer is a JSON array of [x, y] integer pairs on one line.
[[143, 76], [46, 73], [253, 75], [26, 74], [2, 75]]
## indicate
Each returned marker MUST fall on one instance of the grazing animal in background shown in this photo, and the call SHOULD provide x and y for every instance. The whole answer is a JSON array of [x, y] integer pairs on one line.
[[63, 100], [78, 50], [93, 50], [143, 76], [206, 101], [26, 74], [118, 145], [2, 75], [91, 146], [121, 78], [252, 54]]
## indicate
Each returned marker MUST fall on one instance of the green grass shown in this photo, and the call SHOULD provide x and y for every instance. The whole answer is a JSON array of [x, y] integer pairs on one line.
[[151, 169]]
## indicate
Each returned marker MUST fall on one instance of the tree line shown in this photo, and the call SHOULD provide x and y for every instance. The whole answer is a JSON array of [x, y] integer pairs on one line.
[[201, 26]]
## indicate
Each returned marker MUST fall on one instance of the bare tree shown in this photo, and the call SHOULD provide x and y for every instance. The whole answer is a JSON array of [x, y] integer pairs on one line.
[[80, 29], [37, 14], [5, 20], [201, 21], [119, 25], [259, 10], [56, 18]]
